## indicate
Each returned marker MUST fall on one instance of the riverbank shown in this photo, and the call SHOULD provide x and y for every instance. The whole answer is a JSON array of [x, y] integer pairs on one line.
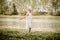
[[37, 17]]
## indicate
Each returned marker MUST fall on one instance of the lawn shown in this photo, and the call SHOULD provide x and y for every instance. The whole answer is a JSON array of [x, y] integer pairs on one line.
[[22, 34]]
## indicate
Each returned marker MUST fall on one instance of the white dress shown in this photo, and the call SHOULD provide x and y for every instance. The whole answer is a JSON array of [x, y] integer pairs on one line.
[[29, 20]]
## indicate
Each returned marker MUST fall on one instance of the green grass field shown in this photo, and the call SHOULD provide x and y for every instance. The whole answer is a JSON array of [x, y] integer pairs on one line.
[[22, 34]]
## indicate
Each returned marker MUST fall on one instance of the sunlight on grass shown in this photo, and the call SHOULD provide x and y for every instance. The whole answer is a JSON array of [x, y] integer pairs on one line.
[[22, 34]]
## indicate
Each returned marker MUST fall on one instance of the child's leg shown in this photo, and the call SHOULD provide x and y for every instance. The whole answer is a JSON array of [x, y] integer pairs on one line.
[[29, 26], [29, 30]]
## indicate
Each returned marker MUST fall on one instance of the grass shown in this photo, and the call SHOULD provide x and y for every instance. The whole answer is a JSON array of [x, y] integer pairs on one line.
[[22, 34]]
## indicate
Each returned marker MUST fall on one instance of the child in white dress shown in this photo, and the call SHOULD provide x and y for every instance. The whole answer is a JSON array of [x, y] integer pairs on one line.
[[29, 19]]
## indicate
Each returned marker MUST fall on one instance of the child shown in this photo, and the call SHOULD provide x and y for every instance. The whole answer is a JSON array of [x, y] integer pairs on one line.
[[29, 18]]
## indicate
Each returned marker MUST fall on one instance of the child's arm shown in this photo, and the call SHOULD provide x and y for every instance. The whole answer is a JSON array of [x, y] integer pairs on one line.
[[25, 16], [22, 18]]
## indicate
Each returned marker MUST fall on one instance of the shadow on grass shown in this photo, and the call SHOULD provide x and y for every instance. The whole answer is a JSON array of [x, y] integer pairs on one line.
[[24, 35]]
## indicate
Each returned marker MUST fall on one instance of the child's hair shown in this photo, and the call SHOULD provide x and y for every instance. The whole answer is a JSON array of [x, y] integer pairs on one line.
[[29, 7]]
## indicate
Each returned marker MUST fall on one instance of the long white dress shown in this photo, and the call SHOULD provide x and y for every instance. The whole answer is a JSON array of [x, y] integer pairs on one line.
[[29, 20]]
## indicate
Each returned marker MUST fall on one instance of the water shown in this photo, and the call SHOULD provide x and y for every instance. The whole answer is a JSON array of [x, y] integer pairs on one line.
[[40, 23]]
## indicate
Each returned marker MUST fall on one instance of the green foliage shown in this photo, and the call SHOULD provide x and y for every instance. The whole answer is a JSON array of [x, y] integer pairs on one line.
[[54, 13], [58, 13], [39, 13], [3, 6], [14, 10], [23, 35], [55, 4]]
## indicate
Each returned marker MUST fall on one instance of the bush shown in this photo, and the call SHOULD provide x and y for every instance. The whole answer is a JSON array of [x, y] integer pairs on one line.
[[39, 13], [58, 13], [23, 35]]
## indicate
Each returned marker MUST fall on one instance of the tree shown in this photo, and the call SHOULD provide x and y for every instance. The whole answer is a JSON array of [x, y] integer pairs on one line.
[[14, 10], [3, 6], [55, 6]]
